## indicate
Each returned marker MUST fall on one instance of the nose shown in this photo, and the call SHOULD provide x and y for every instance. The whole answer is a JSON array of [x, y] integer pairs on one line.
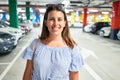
[[56, 22]]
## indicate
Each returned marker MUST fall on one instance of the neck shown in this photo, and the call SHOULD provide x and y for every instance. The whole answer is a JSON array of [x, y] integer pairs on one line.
[[55, 38], [55, 41]]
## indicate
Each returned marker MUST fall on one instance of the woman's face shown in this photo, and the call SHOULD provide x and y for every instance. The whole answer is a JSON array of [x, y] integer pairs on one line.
[[55, 22]]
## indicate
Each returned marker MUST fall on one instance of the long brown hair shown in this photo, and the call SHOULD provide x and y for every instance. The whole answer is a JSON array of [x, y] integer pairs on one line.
[[65, 33]]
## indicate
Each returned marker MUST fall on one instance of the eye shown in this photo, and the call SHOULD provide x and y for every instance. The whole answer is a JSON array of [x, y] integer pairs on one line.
[[60, 19]]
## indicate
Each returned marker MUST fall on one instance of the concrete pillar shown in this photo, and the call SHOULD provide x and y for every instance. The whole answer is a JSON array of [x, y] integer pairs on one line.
[[84, 18], [4, 16], [13, 13], [115, 23], [72, 19], [28, 10], [106, 17], [94, 18], [81, 17]]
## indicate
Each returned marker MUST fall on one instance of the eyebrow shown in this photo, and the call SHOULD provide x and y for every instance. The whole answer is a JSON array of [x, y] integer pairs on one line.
[[57, 17]]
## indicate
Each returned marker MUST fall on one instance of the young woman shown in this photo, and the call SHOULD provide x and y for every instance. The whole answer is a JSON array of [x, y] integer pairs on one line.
[[57, 56]]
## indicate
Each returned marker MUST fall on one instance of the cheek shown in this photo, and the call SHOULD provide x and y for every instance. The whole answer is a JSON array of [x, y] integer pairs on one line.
[[48, 24], [63, 24]]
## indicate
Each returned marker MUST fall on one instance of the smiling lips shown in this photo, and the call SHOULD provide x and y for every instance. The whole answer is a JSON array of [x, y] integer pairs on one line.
[[55, 28]]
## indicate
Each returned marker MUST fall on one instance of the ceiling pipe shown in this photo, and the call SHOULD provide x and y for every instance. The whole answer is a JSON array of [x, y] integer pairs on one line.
[[105, 2], [87, 3], [76, 2], [20, 5]]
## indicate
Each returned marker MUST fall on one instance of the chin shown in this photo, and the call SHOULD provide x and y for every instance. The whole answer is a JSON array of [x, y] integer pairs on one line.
[[56, 34]]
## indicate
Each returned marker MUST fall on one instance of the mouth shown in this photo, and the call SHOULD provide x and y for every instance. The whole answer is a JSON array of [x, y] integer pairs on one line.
[[55, 28]]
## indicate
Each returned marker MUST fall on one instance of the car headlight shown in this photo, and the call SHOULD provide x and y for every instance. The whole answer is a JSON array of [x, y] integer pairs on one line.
[[14, 32], [1, 40], [4, 40], [13, 38], [10, 40], [102, 31]]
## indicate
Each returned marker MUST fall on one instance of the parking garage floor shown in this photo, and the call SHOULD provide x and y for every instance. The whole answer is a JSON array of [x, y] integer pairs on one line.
[[101, 55]]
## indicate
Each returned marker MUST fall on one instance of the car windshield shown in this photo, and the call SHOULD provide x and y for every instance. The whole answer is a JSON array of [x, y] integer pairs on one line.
[[5, 35]]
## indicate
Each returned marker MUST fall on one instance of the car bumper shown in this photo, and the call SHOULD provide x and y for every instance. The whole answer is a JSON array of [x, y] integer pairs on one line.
[[118, 37], [104, 33], [6, 48]]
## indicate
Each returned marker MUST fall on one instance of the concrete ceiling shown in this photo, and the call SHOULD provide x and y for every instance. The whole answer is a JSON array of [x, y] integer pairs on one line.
[[75, 4]]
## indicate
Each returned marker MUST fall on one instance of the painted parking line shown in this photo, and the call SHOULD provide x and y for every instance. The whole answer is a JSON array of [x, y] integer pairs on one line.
[[92, 72], [4, 63], [14, 60], [86, 53]]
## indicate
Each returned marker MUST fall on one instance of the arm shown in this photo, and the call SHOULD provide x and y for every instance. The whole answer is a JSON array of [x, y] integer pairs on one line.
[[28, 70], [74, 76]]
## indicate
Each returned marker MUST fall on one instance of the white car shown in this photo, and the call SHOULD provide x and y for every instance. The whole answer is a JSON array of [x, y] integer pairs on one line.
[[88, 28], [78, 24], [27, 24], [14, 31], [4, 24], [105, 32], [118, 35]]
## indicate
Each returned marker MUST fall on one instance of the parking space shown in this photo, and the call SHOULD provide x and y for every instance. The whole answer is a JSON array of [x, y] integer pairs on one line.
[[94, 24], [7, 61], [101, 57]]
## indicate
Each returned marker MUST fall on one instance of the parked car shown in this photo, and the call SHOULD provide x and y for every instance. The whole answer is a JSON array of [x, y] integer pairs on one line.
[[98, 25], [27, 25], [77, 24], [88, 28], [13, 31], [105, 31], [24, 29], [6, 42], [36, 24], [4, 24], [1, 26], [118, 35]]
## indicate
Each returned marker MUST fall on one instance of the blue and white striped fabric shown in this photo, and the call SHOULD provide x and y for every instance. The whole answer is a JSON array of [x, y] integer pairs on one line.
[[53, 63]]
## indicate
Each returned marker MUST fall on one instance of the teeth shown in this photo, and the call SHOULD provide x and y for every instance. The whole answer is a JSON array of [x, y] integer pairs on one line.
[[56, 28]]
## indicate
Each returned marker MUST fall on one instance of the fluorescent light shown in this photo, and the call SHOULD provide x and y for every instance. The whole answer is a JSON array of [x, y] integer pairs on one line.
[[93, 10], [42, 10], [68, 10], [87, 12], [105, 12]]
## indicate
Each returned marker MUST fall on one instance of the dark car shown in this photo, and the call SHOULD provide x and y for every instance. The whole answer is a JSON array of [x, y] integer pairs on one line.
[[1, 26], [4, 23], [6, 42], [98, 25], [118, 35]]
